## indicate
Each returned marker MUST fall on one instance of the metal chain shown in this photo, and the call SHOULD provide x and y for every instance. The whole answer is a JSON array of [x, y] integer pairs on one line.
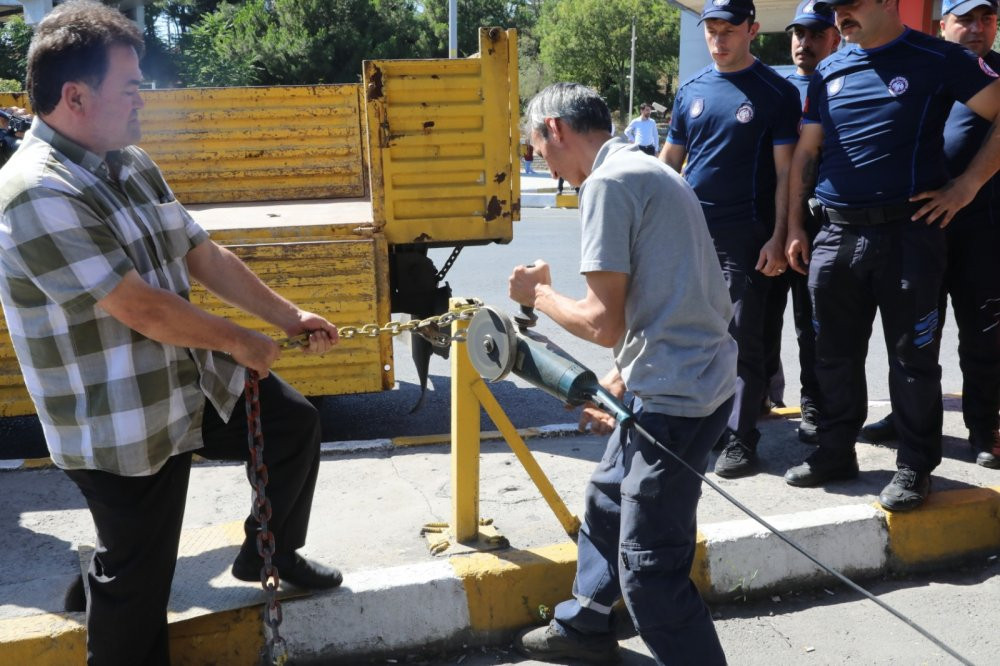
[[448, 262], [274, 651], [431, 328]]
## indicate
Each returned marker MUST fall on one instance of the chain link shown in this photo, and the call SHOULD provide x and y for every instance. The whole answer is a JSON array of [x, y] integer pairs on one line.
[[432, 328], [274, 651]]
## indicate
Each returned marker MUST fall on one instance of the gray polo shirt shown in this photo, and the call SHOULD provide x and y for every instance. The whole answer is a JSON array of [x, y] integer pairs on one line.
[[641, 218]]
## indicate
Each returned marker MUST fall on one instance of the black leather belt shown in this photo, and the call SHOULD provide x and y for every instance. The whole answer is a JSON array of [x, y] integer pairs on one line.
[[872, 216]]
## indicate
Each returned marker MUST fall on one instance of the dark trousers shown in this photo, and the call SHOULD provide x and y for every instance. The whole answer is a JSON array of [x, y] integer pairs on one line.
[[896, 268], [738, 247], [973, 282], [802, 315], [638, 539], [138, 522]]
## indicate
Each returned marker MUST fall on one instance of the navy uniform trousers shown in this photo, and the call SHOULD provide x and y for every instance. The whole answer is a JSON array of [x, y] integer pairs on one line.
[[897, 268], [802, 315], [973, 282], [638, 539], [138, 521], [738, 246]]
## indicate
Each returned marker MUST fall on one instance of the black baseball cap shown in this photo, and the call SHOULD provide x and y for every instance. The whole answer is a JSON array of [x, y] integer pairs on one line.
[[734, 11]]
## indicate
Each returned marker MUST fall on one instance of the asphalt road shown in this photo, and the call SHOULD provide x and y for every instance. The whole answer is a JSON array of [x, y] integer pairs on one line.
[[482, 272], [830, 626]]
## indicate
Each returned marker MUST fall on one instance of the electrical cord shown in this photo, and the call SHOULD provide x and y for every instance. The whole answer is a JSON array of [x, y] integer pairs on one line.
[[632, 421]]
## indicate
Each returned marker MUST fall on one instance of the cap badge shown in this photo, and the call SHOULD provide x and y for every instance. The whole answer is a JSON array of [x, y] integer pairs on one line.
[[720, 3], [744, 113], [810, 8], [898, 86], [697, 106]]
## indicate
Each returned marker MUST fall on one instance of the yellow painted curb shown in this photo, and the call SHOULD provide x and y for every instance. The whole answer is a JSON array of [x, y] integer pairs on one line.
[[51, 639], [567, 201], [44, 640], [228, 637], [445, 438], [701, 575], [506, 589], [786, 411], [949, 524]]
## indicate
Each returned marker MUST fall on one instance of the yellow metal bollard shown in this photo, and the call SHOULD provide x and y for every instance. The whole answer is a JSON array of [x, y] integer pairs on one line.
[[467, 531], [465, 433]]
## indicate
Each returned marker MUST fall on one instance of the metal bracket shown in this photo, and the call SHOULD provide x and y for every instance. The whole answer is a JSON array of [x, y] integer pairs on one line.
[[441, 539]]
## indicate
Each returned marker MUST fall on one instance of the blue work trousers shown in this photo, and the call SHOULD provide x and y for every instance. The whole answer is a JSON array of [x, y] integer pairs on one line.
[[638, 539], [738, 246], [896, 268]]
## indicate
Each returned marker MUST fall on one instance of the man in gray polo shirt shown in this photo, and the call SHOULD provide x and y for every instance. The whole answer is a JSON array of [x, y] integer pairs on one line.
[[656, 295]]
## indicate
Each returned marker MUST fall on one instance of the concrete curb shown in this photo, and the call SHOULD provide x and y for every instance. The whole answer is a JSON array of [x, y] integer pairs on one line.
[[352, 446], [482, 597]]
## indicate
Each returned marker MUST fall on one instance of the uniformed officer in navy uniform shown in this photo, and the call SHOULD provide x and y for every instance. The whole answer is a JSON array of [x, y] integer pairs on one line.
[[814, 36], [736, 124], [973, 275], [877, 112]]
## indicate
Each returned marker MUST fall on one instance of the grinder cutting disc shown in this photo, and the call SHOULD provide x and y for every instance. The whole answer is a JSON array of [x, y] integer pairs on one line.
[[492, 343]]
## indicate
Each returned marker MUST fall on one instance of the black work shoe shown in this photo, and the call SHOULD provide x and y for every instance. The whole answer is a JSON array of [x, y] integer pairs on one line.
[[880, 432], [555, 641], [739, 458], [808, 432], [293, 569], [75, 597], [986, 444], [907, 490], [821, 466]]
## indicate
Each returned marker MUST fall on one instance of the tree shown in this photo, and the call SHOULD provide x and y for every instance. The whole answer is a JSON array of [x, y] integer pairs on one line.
[[15, 35], [472, 15], [298, 41], [773, 48], [324, 41], [589, 41], [221, 49]]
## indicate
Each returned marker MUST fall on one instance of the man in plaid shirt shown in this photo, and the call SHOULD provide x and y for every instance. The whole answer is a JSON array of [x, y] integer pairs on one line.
[[127, 376]]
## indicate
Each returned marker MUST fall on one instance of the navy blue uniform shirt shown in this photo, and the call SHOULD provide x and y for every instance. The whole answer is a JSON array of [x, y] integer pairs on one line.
[[883, 112], [964, 134], [801, 83], [729, 123]]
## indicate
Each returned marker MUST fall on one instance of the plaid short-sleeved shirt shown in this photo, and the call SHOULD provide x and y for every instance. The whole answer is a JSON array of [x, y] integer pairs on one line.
[[108, 397]]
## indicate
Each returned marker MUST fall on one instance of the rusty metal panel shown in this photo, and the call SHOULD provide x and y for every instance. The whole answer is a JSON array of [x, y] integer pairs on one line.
[[441, 155], [346, 281], [256, 143], [253, 143]]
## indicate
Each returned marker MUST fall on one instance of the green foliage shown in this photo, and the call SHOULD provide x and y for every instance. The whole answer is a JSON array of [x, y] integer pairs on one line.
[[325, 41], [222, 48], [589, 41], [472, 15], [15, 35], [773, 48], [11, 85], [297, 41]]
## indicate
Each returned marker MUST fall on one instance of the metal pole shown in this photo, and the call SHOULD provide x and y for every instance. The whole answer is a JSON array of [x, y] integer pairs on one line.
[[452, 28], [631, 77]]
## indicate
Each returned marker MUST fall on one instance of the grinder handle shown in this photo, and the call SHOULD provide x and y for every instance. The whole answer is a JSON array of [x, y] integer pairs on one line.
[[527, 318], [601, 397]]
